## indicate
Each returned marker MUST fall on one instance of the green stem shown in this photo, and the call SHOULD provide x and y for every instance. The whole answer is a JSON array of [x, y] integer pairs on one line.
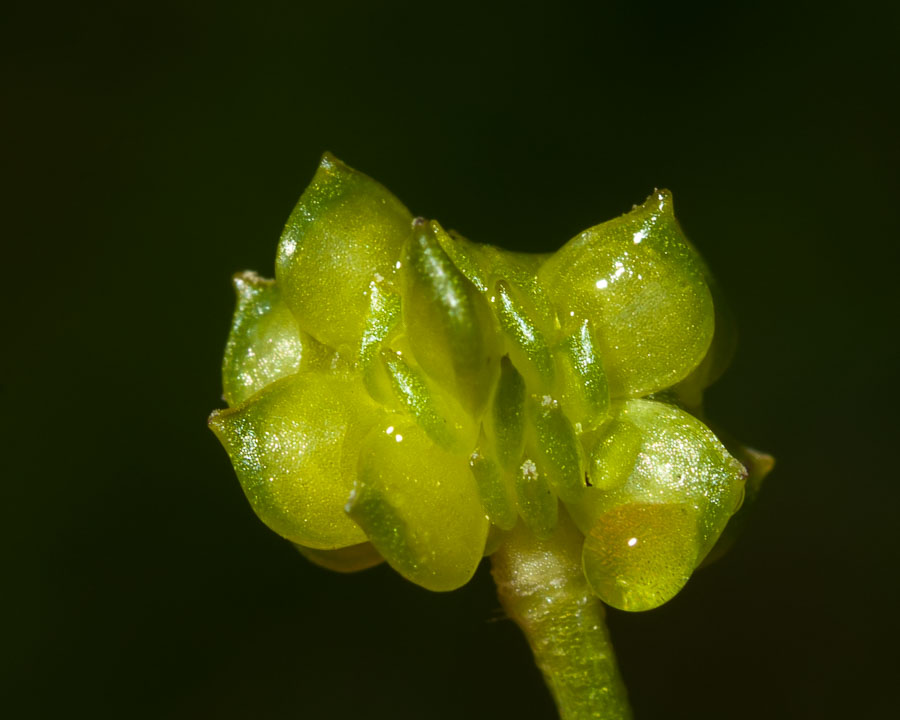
[[542, 587]]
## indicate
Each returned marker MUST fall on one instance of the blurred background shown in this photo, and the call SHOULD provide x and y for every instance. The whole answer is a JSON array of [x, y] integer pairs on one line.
[[153, 149]]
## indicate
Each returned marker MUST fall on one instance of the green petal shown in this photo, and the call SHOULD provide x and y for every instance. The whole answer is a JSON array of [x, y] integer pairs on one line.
[[581, 380], [639, 556], [718, 357], [642, 287], [505, 421], [288, 445], [438, 415], [535, 498], [664, 455], [264, 343], [344, 560], [448, 322], [664, 488], [346, 231], [419, 506], [557, 448]]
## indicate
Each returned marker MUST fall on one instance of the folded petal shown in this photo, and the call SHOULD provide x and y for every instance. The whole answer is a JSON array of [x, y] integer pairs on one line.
[[346, 231], [343, 560], [264, 343], [664, 488], [419, 506], [291, 445], [642, 286]]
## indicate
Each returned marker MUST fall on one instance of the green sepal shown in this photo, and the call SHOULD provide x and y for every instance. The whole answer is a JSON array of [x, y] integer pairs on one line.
[[447, 321], [535, 499], [495, 487], [505, 422], [581, 379], [344, 560], [290, 445], [419, 506], [438, 415], [557, 448], [346, 231], [642, 286]]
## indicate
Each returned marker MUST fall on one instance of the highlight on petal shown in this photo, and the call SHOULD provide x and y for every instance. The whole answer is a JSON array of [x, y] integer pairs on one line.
[[287, 445], [346, 231], [667, 483], [419, 505], [642, 286]]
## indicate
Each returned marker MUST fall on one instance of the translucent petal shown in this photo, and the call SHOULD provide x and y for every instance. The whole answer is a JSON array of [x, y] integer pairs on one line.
[[494, 486], [437, 414], [505, 422], [642, 286], [344, 560], [448, 322], [264, 343], [419, 506], [557, 448], [638, 556], [287, 445], [581, 379], [656, 453], [535, 498], [346, 231]]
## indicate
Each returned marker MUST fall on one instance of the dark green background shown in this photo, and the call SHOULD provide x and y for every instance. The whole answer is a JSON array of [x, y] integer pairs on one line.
[[152, 149]]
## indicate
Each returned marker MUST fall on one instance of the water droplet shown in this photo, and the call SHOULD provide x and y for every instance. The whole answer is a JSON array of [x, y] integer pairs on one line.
[[638, 556]]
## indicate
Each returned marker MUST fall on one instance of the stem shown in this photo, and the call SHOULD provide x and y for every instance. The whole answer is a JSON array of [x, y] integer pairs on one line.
[[542, 587]]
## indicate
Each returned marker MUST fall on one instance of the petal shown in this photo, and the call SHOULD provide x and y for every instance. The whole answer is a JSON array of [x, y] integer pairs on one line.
[[642, 286], [346, 231], [640, 555], [419, 506], [287, 445], [448, 322], [664, 488], [264, 343]]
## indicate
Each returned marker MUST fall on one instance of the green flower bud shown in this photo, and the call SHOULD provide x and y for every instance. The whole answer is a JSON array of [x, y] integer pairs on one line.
[[401, 393]]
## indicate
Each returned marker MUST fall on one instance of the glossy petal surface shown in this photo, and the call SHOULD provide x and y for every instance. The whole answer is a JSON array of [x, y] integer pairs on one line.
[[641, 285], [346, 231], [286, 445], [419, 506]]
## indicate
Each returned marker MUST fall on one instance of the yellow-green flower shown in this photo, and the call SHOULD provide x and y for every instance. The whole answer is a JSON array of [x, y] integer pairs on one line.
[[399, 392]]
